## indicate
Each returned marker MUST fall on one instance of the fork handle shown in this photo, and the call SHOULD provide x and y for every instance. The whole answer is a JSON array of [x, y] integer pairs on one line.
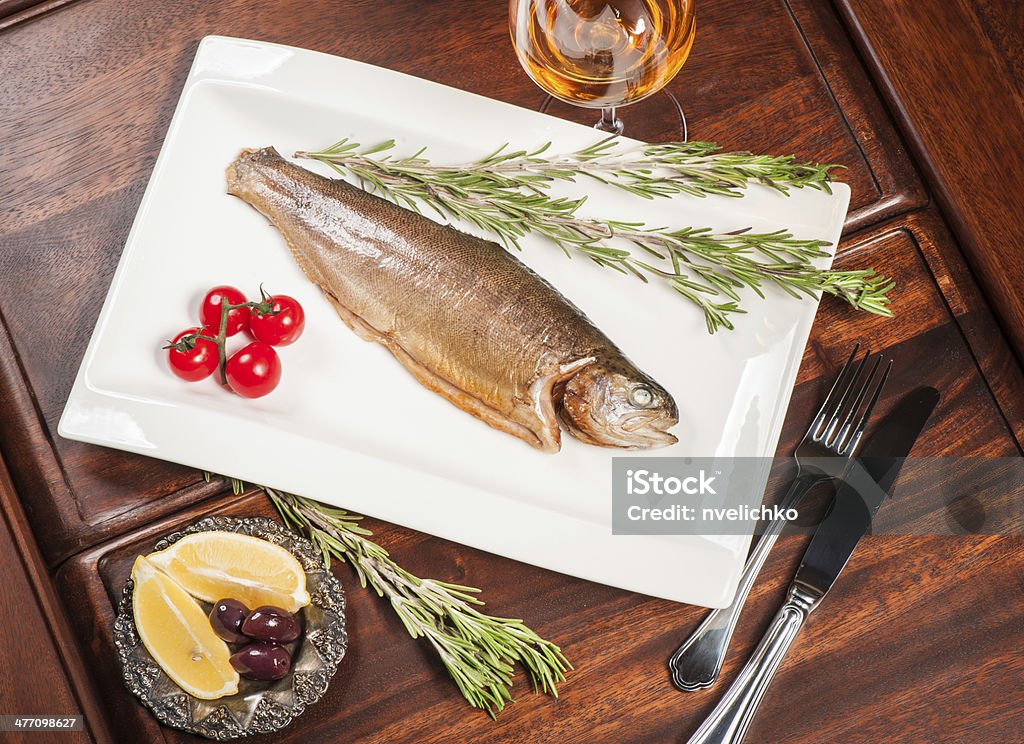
[[729, 721], [698, 661]]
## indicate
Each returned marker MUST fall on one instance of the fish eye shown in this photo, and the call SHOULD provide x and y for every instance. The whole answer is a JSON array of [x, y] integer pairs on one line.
[[641, 396]]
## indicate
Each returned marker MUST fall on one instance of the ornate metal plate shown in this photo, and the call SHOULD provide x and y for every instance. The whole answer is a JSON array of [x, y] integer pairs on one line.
[[258, 707]]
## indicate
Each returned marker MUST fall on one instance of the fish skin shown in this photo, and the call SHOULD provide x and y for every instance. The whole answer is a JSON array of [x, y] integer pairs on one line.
[[464, 316]]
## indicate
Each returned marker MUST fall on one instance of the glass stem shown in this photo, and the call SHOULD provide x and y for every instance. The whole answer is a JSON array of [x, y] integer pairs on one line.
[[609, 121]]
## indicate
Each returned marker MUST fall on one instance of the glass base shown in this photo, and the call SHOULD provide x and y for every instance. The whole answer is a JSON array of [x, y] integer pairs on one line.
[[659, 118]]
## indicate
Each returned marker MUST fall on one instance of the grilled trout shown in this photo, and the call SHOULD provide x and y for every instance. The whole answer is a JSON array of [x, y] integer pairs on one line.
[[464, 316]]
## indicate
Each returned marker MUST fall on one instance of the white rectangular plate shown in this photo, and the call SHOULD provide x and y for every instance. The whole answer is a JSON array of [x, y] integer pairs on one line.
[[348, 425]]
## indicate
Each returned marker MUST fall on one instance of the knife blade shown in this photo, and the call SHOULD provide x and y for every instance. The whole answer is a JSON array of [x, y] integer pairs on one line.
[[853, 508], [863, 490]]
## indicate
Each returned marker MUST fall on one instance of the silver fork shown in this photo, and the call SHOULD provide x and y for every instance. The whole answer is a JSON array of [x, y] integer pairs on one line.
[[824, 454]]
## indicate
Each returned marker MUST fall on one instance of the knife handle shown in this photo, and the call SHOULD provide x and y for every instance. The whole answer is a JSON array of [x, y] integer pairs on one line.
[[730, 719]]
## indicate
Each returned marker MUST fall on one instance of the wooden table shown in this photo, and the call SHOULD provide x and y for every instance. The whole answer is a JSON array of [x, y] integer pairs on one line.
[[920, 640]]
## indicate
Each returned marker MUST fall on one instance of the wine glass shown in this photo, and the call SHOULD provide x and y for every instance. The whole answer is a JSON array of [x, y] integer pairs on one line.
[[603, 54]]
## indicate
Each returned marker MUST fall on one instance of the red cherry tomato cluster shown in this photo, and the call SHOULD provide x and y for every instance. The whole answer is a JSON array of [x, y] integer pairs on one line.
[[254, 370]]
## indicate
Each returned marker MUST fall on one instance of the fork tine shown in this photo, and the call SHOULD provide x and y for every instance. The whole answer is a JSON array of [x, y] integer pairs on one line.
[[849, 412], [851, 446], [828, 427], [822, 413]]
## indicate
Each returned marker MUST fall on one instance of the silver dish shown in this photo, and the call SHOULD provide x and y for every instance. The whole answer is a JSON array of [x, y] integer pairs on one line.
[[258, 707]]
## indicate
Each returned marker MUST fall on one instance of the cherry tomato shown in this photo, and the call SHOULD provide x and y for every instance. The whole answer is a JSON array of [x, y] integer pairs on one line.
[[194, 365], [281, 329], [254, 371], [209, 310]]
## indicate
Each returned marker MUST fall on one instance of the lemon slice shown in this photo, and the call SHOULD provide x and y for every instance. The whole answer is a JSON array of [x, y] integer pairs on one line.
[[217, 565], [177, 634]]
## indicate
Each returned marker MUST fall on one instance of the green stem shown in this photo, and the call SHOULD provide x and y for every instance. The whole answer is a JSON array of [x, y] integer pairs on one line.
[[222, 337]]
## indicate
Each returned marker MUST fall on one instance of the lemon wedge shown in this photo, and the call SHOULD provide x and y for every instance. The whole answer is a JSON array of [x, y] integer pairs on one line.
[[217, 565], [177, 634]]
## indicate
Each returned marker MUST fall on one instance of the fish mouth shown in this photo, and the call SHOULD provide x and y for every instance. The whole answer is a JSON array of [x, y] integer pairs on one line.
[[644, 430], [655, 438], [647, 431]]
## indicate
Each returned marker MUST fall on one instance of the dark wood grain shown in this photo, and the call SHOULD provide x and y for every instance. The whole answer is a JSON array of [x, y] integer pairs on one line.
[[1002, 23], [920, 640], [933, 286], [960, 104], [41, 668], [895, 188], [10, 7], [18, 11], [893, 612], [81, 125]]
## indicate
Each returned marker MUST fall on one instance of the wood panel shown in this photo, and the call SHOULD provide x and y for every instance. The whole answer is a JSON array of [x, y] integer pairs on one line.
[[900, 652], [891, 624], [895, 188], [933, 284], [41, 669], [88, 91], [953, 87]]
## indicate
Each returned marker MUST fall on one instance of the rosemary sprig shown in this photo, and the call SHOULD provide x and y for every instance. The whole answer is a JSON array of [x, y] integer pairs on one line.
[[648, 170], [505, 194], [479, 651]]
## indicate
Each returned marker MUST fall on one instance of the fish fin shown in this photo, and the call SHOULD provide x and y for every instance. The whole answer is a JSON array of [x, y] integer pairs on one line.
[[455, 395], [542, 396]]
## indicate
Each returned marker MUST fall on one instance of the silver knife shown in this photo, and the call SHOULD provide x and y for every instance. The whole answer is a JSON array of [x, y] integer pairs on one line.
[[863, 490]]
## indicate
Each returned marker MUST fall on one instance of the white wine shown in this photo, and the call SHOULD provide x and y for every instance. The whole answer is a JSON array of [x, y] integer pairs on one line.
[[602, 53]]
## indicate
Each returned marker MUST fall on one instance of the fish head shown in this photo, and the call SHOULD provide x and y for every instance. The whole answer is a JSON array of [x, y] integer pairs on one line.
[[616, 405]]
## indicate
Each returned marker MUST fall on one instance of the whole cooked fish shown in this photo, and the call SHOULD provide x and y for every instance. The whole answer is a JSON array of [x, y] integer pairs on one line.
[[464, 316]]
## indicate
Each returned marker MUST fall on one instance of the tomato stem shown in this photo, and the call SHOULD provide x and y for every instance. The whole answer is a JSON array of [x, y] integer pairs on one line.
[[264, 307], [187, 343], [222, 336]]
